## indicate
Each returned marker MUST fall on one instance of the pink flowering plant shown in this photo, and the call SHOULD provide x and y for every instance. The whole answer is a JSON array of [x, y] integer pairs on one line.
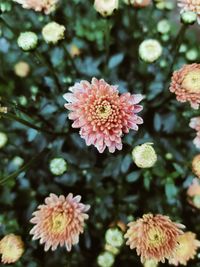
[[99, 129]]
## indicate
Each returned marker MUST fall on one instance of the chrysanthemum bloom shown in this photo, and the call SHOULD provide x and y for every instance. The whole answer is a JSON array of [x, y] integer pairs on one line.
[[59, 221], [141, 3], [47, 6], [190, 5], [186, 250], [196, 165], [53, 32], [22, 69], [11, 248], [186, 84], [154, 237], [195, 124], [27, 41], [102, 114], [106, 7], [193, 193]]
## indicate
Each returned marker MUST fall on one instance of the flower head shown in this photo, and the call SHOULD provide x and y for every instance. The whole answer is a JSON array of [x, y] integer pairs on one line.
[[186, 84], [47, 6], [53, 32], [27, 41], [22, 69], [195, 124], [190, 5], [106, 7], [106, 259], [11, 248], [153, 236], [102, 115], [196, 165], [188, 17], [58, 166], [114, 237], [193, 193], [59, 221], [186, 250], [150, 50], [144, 155]]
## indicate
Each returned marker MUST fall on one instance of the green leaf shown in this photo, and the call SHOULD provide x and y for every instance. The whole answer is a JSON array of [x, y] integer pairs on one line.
[[133, 176]]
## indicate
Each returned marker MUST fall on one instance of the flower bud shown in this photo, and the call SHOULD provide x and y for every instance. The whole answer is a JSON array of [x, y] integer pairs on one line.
[[150, 50], [11, 248], [192, 54], [144, 155], [196, 165], [163, 26], [188, 17], [105, 259], [27, 41], [114, 237], [3, 139], [53, 32], [106, 7], [150, 263], [58, 166], [22, 69]]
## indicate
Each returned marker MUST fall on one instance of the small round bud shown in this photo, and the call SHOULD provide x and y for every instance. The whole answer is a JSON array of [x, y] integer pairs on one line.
[[58, 166], [144, 155], [3, 139], [192, 54], [106, 7], [183, 48], [23, 100], [11, 248], [188, 17], [150, 263], [169, 156], [22, 69], [114, 237], [150, 50], [196, 165], [105, 259], [18, 161], [163, 26], [27, 41], [53, 32]]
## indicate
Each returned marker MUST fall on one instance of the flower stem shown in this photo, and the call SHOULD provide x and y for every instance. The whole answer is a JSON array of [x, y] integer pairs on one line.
[[107, 44]]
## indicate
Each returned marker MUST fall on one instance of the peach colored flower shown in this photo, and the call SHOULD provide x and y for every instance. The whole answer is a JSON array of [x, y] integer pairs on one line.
[[195, 124], [154, 237], [186, 250], [193, 193], [190, 5], [102, 115], [186, 84], [196, 165], [59, 221], [11, 248], [141, 3], [47, 6]]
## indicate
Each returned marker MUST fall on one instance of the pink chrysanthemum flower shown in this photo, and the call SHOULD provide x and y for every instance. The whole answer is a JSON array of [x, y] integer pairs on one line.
[[195, 124], [11, 248], [190, 5], [186, 250], [154, 237], [102, 115], [186, 84], [59, 222], [193, 193], [47, 6]]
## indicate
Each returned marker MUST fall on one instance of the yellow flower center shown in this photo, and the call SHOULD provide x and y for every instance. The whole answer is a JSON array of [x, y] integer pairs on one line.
[[59, 222], [191, 81], [104, 110], [155, 237]]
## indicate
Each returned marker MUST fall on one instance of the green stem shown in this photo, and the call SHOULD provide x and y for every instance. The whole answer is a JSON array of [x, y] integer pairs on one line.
[[22, 169], [107, 45]]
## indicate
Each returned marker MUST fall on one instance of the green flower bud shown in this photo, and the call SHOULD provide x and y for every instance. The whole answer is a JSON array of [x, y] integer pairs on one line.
[[192, 54], [27, 41], [105, 259], [53, 32], [188, 17], [144, 155], [58, 166], [150, 50], [163, 26], [114, 237], [3, 139]]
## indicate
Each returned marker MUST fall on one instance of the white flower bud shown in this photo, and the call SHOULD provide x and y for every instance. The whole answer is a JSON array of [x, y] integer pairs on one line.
[[22, 69], [188, 17], [114, 237], [144, 155], [150, 50], [163, 26], [27, 41], [105, 259], [58, 166], [3, 139], [53, 32], [106, 7]]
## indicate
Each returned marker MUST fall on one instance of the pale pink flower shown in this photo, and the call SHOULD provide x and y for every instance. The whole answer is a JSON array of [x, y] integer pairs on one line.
[[47, 6], [102, 115], [59, 221], [195, 124], [190, 5]]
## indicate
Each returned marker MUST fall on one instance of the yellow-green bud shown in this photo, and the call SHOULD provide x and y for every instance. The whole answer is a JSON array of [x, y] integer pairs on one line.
[[144, 155]]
